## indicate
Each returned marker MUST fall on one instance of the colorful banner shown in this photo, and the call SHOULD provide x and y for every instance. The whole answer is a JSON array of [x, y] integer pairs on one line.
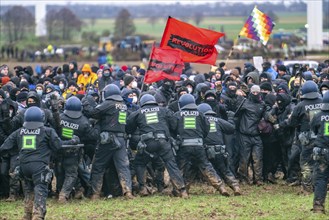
[[258, 26]]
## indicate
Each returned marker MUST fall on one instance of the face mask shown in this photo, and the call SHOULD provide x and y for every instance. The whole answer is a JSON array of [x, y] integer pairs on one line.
[[166, 87], [106, 74], [39, 92], [32, 104], [263, 94], [130, 100], [231, 92], [135, 99], [86, 75], [61, 86], [324, 92], [255, 98], [190, 90], [134, 85]]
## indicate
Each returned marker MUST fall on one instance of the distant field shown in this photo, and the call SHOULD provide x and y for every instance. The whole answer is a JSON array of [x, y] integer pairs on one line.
[[288, 22]]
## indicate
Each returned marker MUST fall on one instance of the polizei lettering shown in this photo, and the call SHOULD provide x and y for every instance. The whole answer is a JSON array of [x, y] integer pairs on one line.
[[29, 131], [189, 113], [120, 106], [313, 107], [190, 46], [210, 118], [145, 110], [69, 125], [324, 117]]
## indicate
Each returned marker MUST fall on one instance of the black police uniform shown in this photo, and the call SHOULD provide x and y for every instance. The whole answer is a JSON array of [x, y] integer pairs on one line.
[[301, 116], [35, 143], [320, 126], [112, 115], [154, 123], [216, 149], [72, 123], [192, 128]]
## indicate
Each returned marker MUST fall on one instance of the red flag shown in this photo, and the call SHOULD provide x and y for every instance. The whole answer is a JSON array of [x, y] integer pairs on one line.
[[197, 45], [164, 64]]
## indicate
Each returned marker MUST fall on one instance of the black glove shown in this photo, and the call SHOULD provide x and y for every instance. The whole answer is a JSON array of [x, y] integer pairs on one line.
[[54, 103]]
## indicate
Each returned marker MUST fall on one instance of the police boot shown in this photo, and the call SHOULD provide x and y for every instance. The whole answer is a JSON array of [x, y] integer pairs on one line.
[[95, 196], [236, 190], [143, 191], [38, 214], [62, 198], [11, 198], [129, 195], [223, 191], [28, 206], [318, 207], [79, 193], [184, 194]]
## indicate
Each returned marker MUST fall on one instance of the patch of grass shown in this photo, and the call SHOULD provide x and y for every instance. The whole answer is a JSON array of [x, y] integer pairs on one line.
[[266, 202]]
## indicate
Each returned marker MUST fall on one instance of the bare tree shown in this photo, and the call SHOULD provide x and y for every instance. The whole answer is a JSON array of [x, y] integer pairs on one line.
[[51, 23], [62, 22], [124, 24], [198, 17], [153, 20], [17, 21]]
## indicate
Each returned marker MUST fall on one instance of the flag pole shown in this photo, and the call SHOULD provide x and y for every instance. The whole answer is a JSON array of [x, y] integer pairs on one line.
[[142, 87], [232, 49]]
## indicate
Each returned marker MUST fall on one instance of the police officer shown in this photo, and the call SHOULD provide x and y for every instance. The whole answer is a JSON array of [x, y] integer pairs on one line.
[[215, 146], [112, 115], [155, 124], [72, 123], [301, 117], [320, 126], [192, 128], [35, 143]]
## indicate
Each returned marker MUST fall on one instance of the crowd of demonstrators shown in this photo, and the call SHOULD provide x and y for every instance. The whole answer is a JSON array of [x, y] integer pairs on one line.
[[96, 128]]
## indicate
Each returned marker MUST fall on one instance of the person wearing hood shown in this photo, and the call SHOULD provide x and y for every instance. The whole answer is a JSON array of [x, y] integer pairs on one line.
[[87, 76], [289, 154], [190, 85], [62, 85], [324, 87], [106, 77], [320, 127], [165, 92], [210, 98], [73, 67], [173, 106], [249, 115], [252, 78], [130, 97], [270, 152], [200, 91]]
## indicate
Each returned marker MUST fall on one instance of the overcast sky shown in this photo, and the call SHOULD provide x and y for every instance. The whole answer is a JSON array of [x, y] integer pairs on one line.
[[63, 2]]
